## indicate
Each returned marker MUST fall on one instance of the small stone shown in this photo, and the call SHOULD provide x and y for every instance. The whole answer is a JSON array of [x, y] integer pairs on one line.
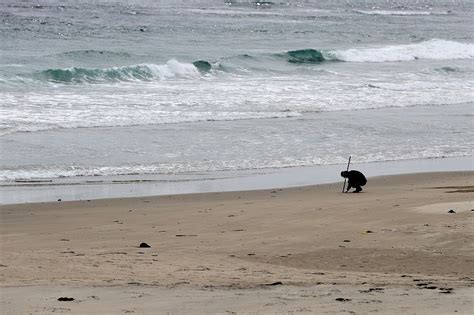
[[144, 245], [65, 299], [275, 283], [451, 211], [445, 292], [343, 300], [422, 284]]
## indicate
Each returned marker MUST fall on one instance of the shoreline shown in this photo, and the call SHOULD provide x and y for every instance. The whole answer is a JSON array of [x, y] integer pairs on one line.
[[104, 187], [391, 249]]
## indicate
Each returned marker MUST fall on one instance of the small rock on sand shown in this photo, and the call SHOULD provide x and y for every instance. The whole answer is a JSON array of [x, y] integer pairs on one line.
[[144, 245], [343, 300], [275, 283]]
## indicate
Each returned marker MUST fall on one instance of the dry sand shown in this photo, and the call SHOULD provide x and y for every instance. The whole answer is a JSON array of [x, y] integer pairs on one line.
[[393, 249]]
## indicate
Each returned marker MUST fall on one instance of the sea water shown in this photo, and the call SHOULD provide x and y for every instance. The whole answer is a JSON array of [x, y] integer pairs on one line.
[[128, 87]]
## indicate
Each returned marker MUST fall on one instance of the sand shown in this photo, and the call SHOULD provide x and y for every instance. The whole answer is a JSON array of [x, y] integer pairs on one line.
[[392, 249]]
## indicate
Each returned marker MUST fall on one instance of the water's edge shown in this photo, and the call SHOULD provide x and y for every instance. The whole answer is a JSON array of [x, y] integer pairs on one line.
[[86, 188]]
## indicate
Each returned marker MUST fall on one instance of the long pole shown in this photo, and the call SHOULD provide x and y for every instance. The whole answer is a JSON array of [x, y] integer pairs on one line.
[[345, 179]]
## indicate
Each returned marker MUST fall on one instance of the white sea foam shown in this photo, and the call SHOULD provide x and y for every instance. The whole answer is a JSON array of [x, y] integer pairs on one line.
[[173, 68], [401, 12], [120, 117], [12, 65], [437, 49], [244, 12], [217, 99], [51, 172]]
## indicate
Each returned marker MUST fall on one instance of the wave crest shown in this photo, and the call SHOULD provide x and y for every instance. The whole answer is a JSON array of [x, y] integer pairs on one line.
[[91, 53], [203, 65], [433, 49], [402, 12], [305, 56], [436, 49], [142, 72]]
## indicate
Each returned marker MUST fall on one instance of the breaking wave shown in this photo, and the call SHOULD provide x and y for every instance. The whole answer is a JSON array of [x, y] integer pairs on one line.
[[304, 56], [142, 72], [435, 49]]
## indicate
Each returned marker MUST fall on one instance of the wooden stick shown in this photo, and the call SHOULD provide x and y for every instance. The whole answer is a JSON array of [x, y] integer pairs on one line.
[[345, 179]]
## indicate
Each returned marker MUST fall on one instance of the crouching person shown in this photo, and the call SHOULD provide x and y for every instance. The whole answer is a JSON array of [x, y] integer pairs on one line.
[[355, 180]]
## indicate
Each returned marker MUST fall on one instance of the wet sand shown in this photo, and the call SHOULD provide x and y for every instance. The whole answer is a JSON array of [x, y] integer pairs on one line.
[[392, 249], [141, 185]]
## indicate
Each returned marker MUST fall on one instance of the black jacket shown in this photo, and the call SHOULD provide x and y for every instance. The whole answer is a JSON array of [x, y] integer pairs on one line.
[[356, 177]]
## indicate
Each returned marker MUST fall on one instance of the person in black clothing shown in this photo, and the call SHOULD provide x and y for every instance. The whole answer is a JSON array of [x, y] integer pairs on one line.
[[356, 180]]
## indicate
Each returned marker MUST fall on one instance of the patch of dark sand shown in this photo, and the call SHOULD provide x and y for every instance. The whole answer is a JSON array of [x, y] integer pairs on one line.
[[458, 189], [374, 260]]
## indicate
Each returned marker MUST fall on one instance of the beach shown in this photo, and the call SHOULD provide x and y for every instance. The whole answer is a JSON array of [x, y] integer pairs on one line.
[[392, 249], [184, 157]]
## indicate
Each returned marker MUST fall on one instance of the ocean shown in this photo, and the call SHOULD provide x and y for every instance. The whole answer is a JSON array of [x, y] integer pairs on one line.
[[112, 88]]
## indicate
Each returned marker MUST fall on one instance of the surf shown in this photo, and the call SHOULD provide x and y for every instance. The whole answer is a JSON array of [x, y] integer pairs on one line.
[[435, 49], [139, 72], [253, 64]]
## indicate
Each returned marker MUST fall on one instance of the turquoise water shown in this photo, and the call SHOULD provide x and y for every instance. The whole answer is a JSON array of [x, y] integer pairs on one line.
[[177, 87]]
